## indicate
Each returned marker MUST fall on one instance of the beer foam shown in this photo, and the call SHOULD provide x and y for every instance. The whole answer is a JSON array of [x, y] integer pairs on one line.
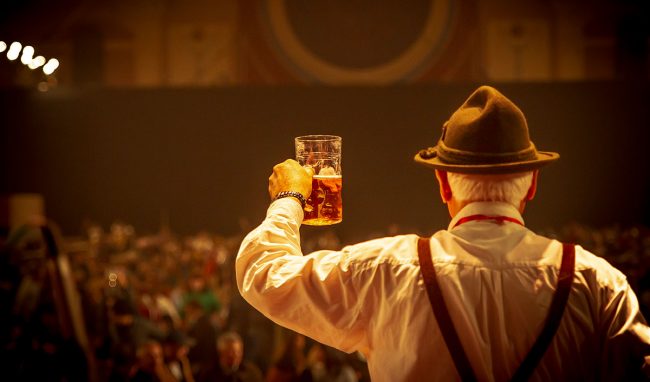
[[326, 170]]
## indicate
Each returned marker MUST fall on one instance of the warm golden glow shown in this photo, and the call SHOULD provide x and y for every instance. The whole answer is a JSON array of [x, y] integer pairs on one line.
[[28, 54], [14, 50], [51, 66], [36, 62]]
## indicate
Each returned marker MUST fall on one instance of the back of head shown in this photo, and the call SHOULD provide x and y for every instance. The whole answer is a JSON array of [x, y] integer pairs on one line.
[[508, 188], [486, 151]]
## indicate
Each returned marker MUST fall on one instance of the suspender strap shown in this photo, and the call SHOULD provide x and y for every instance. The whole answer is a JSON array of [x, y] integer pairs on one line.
[[554, 317], [450, 335], [463, 367]]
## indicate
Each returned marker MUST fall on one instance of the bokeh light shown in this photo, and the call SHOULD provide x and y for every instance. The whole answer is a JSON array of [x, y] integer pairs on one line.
[[14, 50], [51, 66], [28, 54], [36, 62]]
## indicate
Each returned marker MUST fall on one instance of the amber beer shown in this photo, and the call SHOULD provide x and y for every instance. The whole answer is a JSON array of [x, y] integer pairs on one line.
[[322, 153], [325, 204]]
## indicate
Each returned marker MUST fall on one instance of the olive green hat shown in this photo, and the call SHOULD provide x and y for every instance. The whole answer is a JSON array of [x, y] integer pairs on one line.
[[488, 134]]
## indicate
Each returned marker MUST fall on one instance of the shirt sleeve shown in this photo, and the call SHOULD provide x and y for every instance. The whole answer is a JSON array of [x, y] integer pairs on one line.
[[319, 295], [627, 336]]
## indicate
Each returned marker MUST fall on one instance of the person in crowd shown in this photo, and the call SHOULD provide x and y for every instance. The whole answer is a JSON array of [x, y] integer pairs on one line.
[[199, 291], [41, 352], [292, 364], [176, 346], [327, 365], [337, 369], [157, 303], [316, 362], [231, 365], [151, 366], [175, 351], [203, 333], [128, 333], [256, 330], [484, 299]]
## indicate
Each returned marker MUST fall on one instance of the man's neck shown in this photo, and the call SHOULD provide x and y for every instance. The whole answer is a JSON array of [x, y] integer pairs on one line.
[[454, 206]]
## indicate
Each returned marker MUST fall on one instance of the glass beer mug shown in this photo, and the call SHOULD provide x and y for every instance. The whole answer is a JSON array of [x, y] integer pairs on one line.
[[323, 154]]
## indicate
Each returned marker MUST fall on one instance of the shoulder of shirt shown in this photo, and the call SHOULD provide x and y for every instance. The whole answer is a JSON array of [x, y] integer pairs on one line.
[[395, 250], [587, 263], [594, 266], [402, 250], [604, 273]]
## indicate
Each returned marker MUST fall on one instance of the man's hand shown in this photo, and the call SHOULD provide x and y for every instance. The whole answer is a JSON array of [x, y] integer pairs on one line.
[[290, 176]]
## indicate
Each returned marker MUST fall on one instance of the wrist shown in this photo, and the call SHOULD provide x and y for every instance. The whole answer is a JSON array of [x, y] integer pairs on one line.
[[291, 194]]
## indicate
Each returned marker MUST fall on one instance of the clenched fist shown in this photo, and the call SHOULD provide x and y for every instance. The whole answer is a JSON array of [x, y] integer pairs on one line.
[[290, 176]]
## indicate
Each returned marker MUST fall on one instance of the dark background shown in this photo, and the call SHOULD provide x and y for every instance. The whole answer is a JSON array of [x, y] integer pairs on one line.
[[203, 156]]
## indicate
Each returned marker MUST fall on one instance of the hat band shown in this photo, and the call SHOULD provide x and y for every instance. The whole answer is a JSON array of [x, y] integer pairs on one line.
[[455, 156]]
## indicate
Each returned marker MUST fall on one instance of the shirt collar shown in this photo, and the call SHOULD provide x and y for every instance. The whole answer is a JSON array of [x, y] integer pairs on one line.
[[486, 208]]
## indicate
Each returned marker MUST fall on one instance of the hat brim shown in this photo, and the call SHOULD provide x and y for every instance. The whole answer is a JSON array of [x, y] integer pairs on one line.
[[543, 158]]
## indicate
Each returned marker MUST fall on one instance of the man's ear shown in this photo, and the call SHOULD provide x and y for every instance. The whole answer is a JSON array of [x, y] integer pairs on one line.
[[445, 189], [533, 186]]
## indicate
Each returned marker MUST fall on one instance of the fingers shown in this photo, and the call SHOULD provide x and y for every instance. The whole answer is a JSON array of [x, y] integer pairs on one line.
[[291, 165], [290, 176]]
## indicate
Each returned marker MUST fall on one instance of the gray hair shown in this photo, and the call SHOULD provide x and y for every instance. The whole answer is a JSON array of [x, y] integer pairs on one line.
[[509, 188]]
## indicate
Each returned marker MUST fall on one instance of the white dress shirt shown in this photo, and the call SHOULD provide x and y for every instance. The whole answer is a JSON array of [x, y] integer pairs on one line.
[[497, 279]]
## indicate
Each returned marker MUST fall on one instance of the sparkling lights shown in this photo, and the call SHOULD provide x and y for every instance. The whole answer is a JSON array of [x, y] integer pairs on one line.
[[27, 57], [14, 50], [51, 66], [37, 62], [28, 54]]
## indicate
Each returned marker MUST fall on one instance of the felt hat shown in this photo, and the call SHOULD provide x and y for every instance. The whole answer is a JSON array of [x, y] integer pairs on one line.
[[488, 134]]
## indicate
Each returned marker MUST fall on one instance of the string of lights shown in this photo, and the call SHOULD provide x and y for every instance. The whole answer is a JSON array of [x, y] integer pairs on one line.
[[27, 57]]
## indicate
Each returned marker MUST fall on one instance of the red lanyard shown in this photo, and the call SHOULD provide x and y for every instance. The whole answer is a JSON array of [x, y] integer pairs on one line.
[[498, 219]]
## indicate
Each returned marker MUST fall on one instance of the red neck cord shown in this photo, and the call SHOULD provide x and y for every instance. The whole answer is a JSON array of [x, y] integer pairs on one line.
[[498, 219]]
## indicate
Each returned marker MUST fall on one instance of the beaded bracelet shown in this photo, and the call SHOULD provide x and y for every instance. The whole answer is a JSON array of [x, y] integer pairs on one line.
[[297, 195]]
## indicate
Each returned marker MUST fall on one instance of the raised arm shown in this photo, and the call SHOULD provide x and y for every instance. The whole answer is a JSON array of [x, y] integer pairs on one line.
[[319, 295]]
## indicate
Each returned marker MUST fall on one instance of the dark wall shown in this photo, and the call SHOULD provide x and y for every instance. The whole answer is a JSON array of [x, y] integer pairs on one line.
[[205, 155]]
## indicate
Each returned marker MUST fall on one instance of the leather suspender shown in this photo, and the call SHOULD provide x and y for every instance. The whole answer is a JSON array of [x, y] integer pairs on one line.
[[560, 298], [463, 367], [526, 368]]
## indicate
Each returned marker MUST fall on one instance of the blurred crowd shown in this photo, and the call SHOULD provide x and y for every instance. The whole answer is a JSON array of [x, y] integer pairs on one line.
[[166, 308], [160, 308]]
